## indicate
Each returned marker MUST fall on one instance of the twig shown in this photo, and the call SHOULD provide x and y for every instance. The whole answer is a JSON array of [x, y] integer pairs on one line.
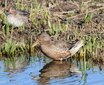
[[91, 11]]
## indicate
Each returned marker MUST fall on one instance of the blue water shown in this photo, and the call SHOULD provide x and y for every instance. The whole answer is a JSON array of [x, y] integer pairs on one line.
[[42, 71]]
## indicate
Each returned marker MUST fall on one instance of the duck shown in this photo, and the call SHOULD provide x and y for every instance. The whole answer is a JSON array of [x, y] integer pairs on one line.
[[17, 18], [56, 50]]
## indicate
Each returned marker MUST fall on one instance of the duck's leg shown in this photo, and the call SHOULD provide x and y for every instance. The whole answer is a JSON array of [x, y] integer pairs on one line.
[[61, 59]]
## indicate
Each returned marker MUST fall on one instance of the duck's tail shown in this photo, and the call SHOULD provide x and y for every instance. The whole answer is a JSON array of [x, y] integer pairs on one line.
[[76, 47]]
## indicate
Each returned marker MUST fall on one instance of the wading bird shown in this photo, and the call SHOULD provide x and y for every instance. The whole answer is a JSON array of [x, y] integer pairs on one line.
[[57, 50]]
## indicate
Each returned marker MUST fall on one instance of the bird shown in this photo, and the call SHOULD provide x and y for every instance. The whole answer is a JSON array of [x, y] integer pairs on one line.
[[57, 50], [17, 18]]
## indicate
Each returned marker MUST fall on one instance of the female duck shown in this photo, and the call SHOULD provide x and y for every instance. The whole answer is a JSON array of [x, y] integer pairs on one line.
[[55, 49]]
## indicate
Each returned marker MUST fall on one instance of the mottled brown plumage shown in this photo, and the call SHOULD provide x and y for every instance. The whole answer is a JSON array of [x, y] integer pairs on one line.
[[57, 50]]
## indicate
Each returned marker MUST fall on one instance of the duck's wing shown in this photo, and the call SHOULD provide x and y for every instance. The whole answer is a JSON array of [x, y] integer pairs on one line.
[[22, 12], [62, 45], [76, 47]]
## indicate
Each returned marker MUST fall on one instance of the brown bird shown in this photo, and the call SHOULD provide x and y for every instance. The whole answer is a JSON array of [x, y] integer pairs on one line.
[[17, 18], [57, 50]]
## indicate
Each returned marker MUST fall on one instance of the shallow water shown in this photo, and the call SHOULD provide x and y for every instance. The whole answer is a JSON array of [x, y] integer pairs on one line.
[[43, 71]]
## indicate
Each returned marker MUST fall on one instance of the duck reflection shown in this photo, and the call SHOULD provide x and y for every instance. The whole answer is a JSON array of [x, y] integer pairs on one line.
[[57, 69], [15, 64]]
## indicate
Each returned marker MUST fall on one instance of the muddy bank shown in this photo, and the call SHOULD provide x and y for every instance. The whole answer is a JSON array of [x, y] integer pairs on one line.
[[61, 19]]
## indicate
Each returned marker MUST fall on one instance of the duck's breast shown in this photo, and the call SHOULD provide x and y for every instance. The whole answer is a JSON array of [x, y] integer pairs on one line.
[[17, 21]]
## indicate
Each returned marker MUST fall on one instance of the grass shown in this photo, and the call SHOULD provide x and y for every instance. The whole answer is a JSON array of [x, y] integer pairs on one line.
[[79, 25]]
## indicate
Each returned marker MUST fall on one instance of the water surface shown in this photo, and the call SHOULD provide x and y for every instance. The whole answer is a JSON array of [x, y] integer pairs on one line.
[[44, 71]]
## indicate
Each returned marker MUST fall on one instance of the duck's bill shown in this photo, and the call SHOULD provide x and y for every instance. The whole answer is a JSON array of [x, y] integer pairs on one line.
[[35, 43]]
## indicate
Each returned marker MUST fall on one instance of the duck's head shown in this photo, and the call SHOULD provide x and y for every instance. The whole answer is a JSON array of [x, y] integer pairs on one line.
[[12, 11], [42, 39]]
